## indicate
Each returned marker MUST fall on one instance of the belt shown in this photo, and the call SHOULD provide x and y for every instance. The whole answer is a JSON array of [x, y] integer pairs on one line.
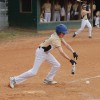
[[46, 48], [41, 47]]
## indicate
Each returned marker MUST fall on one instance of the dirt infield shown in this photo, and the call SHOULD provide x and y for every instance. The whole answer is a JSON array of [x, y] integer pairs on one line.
[[17, 56]]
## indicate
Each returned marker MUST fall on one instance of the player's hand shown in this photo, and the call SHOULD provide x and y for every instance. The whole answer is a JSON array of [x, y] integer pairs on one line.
[[72, 62], [75, 55]]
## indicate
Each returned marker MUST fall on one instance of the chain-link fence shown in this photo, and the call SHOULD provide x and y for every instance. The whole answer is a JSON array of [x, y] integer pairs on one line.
[[3, 14]]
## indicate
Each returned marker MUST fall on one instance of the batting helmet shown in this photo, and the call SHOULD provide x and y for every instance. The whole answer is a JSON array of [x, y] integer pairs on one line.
[[61, 28]]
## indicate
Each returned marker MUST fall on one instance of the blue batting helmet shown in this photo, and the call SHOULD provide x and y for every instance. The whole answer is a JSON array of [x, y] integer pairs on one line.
[[61, 28]]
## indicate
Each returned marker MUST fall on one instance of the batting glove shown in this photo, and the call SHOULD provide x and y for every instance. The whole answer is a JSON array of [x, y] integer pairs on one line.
[[72, 62], [75, 55]]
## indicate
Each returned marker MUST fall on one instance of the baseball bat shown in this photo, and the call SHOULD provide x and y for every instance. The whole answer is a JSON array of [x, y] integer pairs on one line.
[[73, 68]]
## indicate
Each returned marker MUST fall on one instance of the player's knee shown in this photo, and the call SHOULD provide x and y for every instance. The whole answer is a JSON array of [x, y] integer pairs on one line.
[[32, 73], [81, 29], [57, 64], [90, 28]]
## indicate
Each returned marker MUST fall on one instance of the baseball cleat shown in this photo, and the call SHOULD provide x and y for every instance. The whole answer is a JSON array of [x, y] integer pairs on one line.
[[49, 82], [12, 82], [74, 35]]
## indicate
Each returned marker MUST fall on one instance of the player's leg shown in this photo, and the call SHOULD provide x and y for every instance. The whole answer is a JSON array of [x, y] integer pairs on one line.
[[97, 22], [48, 17], [68, 16], [58, 16], [55, 66], [83, 24], [40, 57], [54, 16], [90, 29]]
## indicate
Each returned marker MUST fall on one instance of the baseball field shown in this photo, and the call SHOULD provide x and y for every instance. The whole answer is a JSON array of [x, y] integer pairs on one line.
[[17, 54]]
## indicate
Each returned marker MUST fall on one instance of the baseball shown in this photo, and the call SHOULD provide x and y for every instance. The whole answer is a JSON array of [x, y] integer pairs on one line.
[[87, 82]]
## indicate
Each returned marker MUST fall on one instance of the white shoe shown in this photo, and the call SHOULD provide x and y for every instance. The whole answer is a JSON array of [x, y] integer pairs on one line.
[[49, 82], [12, 82]]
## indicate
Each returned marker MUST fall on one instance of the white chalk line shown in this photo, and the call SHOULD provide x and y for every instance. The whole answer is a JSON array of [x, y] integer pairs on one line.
[[88, 96], [84, 79], [34, 92]]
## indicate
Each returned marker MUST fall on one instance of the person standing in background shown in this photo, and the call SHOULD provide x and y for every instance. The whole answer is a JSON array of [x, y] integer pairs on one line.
[[97, 19], [75, 10], [84, 22], [57, 9], [62, 13], [68, 10], [94, 12], [47, 11]]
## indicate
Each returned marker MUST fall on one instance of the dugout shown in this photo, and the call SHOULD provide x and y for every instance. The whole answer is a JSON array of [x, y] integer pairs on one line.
[[26, 14]]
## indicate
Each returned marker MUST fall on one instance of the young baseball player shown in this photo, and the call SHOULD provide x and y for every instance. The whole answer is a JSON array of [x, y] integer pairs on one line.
[[85, 22], [55, 41]]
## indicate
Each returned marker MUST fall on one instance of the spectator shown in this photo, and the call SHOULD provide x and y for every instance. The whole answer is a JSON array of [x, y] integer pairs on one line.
[[94, 12], [57, 9], [68, 10], [97, 19], [47, 11], [75, 10], [62, 13]]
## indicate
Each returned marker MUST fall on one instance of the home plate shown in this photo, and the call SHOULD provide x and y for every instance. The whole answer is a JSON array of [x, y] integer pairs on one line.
[[34, 92]]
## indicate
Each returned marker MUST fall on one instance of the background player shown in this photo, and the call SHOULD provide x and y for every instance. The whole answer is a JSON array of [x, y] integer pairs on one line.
[[46, 8], [57, 9], [43, 53], [97, 19], [85, 22]]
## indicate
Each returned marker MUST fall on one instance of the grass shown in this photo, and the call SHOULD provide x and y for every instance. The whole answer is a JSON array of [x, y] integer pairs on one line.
[[11, 33]]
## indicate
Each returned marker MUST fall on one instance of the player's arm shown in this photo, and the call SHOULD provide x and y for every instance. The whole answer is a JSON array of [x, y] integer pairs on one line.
[[63, 53], [86, 12], [68, 46], [75, 55]]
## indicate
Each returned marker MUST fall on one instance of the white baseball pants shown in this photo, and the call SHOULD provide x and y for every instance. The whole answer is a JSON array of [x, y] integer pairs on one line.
[[56, 16], [47, 16], [40, 57], [83, 24], [97, 21], [68, 16]]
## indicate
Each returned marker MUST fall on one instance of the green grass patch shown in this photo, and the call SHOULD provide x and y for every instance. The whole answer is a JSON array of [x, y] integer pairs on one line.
[[11, 33]]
